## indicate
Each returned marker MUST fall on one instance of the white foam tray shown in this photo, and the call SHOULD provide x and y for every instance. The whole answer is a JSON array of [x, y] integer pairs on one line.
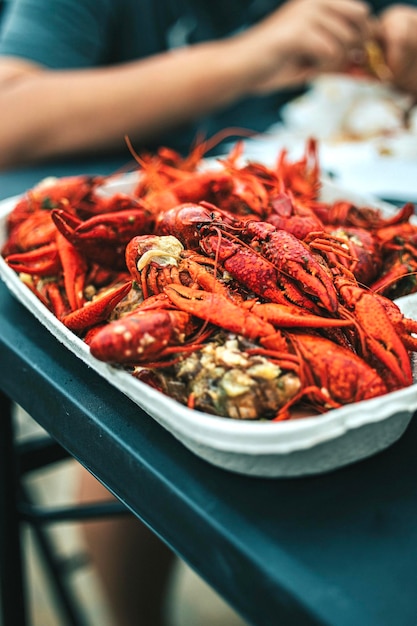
[[304, 446]]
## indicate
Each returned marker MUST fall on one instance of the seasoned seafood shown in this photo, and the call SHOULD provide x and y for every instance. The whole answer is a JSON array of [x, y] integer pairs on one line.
[[235, 289]]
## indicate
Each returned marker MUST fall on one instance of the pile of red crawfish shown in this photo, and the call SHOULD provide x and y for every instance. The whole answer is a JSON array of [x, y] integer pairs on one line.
[[234, 289]]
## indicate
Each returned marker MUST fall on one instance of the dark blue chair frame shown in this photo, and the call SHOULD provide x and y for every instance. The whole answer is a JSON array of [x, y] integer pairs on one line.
[[17, 461]]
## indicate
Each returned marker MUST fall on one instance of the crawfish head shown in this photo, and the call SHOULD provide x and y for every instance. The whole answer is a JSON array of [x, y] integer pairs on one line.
[[253, 270], [365, 251], [145, 249], [185, 221], [294, 259]]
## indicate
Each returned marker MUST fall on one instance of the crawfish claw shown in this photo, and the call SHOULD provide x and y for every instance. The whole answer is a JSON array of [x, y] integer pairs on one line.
[[218, 309]]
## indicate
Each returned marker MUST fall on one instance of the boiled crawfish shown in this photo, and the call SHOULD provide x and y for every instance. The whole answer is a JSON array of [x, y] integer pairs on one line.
[[236, 289]]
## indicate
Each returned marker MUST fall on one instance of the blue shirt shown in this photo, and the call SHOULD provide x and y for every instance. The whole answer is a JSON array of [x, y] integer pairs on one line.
[[69, 34]]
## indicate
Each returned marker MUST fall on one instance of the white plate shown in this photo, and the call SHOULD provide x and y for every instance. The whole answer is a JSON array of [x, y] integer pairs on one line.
[[300, 447]]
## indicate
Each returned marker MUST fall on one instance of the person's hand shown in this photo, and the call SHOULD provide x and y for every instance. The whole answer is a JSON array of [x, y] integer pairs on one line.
[[305, 37], [397, 34]]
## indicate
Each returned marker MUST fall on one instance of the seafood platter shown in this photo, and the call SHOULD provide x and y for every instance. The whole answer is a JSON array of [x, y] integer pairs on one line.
[[264, 316]]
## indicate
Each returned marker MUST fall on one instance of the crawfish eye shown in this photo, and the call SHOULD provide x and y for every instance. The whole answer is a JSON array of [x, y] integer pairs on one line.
[[48, 204]]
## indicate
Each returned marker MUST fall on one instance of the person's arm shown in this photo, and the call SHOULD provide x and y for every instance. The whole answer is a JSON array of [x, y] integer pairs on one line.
[[51, 112]]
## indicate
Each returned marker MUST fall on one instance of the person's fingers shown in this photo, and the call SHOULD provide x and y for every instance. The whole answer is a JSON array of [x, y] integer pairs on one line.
[[375, 29], [337, 32], [399, 55], [398, 38], [305, 37]]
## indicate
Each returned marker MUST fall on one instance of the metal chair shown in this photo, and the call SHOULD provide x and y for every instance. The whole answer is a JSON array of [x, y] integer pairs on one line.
[[18, 459]]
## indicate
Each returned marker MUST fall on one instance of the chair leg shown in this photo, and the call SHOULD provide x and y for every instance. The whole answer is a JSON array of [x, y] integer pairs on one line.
[[55, 570], [12, 583]]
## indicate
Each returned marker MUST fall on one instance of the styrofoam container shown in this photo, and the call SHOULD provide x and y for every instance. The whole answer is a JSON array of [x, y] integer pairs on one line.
[[304, 446]]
